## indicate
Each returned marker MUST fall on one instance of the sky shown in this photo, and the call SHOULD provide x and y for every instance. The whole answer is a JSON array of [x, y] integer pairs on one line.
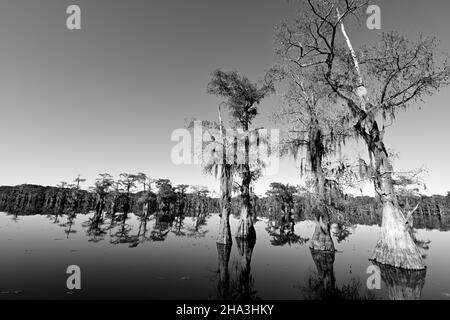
[[107, 98]]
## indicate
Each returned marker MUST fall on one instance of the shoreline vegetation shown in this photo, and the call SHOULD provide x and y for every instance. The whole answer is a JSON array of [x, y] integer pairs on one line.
[[30, 199]]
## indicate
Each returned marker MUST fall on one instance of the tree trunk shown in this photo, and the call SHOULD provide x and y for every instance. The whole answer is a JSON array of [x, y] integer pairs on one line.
[[287, 218], [246, 229], [395, 246], [145, 209], [224, 236], [100, 205], [113, 207], [321, 239]]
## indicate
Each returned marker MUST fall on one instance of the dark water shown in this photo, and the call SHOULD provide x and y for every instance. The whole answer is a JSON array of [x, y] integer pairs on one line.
[[159, 260]]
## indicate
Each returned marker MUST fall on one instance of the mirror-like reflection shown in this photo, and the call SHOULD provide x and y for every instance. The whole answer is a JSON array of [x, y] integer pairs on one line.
[[322, 284], [223, 284], [403, 284], [172, 254], [282, 232], [244, 285], [326, 280]]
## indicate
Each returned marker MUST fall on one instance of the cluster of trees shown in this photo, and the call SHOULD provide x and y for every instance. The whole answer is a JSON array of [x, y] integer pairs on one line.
[[332, 93], [145, 195], [129, 193]]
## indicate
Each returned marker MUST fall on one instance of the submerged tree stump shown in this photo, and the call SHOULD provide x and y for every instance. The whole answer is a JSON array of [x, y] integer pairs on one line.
[[395, 246]]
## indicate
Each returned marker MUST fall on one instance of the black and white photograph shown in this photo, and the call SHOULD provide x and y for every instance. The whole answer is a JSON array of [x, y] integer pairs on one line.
[[235, 151]]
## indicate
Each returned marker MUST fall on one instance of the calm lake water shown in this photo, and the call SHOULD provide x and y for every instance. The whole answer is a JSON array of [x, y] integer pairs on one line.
[[157, 260]]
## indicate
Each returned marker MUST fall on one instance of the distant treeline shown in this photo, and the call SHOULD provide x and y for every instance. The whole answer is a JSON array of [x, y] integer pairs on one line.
[[34, 199], [433, 211]]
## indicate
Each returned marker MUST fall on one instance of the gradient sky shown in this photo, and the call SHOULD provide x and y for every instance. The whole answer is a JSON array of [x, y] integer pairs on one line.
[[107, 98]]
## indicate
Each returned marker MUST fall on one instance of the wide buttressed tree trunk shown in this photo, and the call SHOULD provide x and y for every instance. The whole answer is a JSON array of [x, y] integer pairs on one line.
[[224, 236], [395, 246]]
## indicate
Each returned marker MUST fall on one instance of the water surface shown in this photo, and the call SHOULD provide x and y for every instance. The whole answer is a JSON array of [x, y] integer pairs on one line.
[[154, 259]]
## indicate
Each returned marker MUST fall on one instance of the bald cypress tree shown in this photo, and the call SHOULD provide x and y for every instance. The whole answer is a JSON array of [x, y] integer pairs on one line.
[[242, 98], [374, 82]]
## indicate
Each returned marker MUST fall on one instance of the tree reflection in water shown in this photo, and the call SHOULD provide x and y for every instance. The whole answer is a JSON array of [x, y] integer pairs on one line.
[[243, 285], [121, 232], [403, 284], [223, 284], [341, 231], [95, 228], [282, 233], [178, 226], [124, 236], [14, 217], [68, 224], [237, 283], [161, 227], [321, 285], [197, 230]]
